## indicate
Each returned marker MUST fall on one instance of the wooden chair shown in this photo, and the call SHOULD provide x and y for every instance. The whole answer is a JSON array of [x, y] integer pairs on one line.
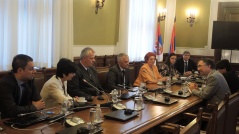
[[232, 112], [48, 73], [192, 128], [99, 61], [39, 80], [110, 60], [217, 118]]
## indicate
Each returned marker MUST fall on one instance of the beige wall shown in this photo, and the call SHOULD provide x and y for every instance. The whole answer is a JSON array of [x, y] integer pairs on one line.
[[101, 31], [96, 29], [197, 35]]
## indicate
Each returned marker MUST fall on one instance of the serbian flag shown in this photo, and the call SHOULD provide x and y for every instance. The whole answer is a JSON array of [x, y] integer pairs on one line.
[[158, 47], [173, 41]]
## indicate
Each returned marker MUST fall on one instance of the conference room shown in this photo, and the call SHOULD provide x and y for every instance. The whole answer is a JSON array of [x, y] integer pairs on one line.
[[51, 30]]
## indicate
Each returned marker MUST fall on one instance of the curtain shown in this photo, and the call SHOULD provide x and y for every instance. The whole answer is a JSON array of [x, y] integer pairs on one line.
[[34, 27], [141, 28], [231, 55]]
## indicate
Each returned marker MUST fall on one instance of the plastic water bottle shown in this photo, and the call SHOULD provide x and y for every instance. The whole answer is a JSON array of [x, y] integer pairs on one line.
[[98, 116], [168, 83]]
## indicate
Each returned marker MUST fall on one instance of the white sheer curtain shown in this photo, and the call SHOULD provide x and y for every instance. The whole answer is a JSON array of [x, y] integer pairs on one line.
[[35, 28], [231, 55], [141, 28]]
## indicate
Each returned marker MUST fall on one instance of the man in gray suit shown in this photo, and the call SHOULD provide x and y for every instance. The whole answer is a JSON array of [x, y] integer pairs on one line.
[[216, 85]]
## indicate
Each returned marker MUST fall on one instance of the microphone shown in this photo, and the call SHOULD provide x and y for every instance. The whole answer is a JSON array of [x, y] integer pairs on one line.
[[98, 90], [38, 111], [123, 86], [104, 105]]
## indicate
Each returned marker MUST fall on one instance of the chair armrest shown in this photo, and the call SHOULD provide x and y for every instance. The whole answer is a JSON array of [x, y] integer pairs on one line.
[[170, 127]]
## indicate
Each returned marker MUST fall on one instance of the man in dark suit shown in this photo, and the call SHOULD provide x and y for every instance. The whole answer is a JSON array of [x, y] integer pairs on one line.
[[185, 65], [18, 94], [224, 67], [118, 75], [85, 80]]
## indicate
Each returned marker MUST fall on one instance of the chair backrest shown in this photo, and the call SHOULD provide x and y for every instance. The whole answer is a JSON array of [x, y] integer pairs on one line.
[[102, 76], [48, 73], [110, 60], [217, 122], [231, 118], [194, 126], [39, 80]]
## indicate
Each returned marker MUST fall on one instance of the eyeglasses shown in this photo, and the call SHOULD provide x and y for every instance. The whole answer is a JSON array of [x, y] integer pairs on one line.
[[201, 65]]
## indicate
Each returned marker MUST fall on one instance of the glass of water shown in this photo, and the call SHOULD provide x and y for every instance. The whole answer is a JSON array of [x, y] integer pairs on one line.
[[92, 116]]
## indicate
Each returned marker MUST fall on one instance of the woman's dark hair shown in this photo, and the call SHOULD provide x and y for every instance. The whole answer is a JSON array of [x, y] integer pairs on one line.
[[149, 54], [20, 61], [224, 64], [167, 62], [65, 66]]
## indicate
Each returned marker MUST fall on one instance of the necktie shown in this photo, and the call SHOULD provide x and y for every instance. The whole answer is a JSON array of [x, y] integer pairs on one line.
[[22, 92], [186, 66], [123, 74], [88, 70]]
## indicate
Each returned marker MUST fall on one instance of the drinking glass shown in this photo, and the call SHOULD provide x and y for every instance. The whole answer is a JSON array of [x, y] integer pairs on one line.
[[64, 106], [138, 103], [92, 116], [70, 104]]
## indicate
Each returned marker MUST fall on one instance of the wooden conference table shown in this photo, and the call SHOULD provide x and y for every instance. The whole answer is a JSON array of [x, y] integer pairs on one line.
[[153, 115]]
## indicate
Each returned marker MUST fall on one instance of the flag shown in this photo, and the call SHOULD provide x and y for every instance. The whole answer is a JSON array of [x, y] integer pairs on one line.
[[173, 41], [158, 47]]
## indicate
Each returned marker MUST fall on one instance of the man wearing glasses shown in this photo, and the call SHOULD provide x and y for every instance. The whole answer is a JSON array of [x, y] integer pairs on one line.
[[216, 85]]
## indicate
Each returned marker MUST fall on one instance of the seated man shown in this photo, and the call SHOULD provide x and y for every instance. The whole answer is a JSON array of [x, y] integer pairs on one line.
[[85, 80], [230, 75], [118, 75], [216, 85], [185, 65], [18, 94]]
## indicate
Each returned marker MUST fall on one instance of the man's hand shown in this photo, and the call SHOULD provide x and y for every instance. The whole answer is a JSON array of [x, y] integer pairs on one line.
[[188, 73], [39, 104], [192, 86]]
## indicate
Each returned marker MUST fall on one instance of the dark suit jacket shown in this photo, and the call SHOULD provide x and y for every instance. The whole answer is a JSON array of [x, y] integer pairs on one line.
[[77, 87], [10, 95], [179, 65], [115, 77], [232, 81]]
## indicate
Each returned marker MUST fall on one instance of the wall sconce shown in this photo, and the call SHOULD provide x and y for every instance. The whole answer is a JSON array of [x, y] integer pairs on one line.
[[99, 5], [191, 16], [162, 15]]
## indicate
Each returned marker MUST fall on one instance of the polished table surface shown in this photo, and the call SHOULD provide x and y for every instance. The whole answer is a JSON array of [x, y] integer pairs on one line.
[[152, 115]]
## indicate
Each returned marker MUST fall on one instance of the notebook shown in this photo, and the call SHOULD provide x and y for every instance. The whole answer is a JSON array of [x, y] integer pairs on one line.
[[120, 115]]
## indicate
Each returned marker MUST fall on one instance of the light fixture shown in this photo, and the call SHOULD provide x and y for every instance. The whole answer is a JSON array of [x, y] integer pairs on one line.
[[191, 16], [162, 15], [99, 5]]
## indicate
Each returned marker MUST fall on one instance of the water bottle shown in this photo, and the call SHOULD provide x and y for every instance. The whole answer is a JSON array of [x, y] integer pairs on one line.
[[114, 96], [168, 83], [98, 116]]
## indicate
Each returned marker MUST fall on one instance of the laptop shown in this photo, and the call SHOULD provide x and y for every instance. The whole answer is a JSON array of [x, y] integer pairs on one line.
[[120, 115]]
